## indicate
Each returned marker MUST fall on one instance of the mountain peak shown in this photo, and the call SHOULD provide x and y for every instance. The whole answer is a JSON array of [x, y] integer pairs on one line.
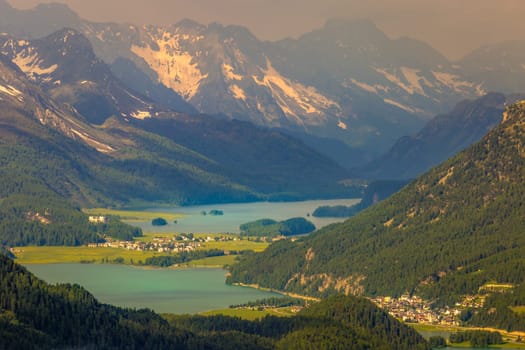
[[70, 40], [348, 32], [55, 7], [68, 33], [364, 28], [188, 24], [347, 23]]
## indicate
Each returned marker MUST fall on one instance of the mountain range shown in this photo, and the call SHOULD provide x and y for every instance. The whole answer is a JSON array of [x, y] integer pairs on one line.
[[346, 80], [119, 122], [441, 138], [444, 236], [73, 136]]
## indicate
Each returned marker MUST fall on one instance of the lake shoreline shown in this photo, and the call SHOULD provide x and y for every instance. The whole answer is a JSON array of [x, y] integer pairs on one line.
[[288, 294]]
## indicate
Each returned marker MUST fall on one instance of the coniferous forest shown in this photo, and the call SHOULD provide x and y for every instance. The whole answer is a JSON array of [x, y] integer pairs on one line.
[[36, 315], [443, 236], [121, 115]]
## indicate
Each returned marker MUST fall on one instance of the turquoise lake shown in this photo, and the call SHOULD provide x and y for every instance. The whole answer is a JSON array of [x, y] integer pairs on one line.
[[182, 290], [163, 290], [236, 214]]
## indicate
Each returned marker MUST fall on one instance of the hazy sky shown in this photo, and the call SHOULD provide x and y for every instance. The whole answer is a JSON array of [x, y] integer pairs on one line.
[[454, 27]]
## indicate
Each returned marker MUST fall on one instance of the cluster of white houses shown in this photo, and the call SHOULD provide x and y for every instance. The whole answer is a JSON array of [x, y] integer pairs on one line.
[[414, 309], [98, 219], [174, 244], [164, 245]]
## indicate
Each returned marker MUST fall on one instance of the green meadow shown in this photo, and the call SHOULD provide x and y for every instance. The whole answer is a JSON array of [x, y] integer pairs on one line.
[[52, 255], [62, 254], [510, 338], [518, 309], [251, 314], [215, 261]]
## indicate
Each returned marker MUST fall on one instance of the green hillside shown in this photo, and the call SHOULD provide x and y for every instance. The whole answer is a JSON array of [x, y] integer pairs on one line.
[[35, 315], [444, 235]]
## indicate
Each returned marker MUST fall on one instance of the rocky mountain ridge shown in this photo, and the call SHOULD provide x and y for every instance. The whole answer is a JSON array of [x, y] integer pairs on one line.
[[346, 80], [442, 137], [138, 142]]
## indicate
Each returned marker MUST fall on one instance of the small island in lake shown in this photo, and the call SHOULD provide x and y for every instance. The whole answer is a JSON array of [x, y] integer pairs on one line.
[[335, 211], [271, 228], [374, 193], [159, 222], [216, 212]]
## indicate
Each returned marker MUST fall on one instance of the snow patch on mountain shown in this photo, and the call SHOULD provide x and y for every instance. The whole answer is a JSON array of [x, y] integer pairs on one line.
[[99, 146], [394, 79], [375, 89], [11, 91], [455, 83], [342, 125], [228, 72], [399, 105], [412, 80], [141, 114], [31, 64], [175, 68], [364, 86], [139, 100], [237, 92], [296, 100]]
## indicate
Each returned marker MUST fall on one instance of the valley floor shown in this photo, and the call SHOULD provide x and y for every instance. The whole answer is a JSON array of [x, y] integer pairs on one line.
[[129, 252]]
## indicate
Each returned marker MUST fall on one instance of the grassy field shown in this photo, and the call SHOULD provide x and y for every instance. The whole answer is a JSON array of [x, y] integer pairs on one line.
[[214, 261], [134, 215], [420, 327], [508, 337], [236, 245], [518, 309], [512, 346], [252, 313], [51, 255]]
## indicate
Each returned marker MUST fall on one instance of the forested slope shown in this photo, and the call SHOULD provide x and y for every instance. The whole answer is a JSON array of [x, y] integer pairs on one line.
[[444, 235], [35, 315]]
